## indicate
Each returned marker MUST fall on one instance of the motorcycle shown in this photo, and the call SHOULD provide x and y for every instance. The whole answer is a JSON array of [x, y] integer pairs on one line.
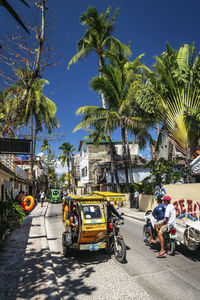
[[169, 236], [114, 240]]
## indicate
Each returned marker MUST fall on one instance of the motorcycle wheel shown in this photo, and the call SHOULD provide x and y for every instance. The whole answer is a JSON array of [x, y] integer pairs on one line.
[[190, 239], [170, 246], [67, 252], [120, 255], [146, 234]]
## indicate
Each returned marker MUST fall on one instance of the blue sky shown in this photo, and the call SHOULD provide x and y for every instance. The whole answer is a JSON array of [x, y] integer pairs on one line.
[[149, 24]]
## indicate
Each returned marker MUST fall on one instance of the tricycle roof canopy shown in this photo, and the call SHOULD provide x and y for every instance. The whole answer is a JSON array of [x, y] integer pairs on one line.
[[108, 196], [99, 196]]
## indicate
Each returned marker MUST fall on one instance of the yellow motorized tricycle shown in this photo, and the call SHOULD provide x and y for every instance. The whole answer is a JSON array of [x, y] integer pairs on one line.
[[87, 227]]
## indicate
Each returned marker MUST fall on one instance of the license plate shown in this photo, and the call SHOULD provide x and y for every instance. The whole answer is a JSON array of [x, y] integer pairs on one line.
[[94, 247]]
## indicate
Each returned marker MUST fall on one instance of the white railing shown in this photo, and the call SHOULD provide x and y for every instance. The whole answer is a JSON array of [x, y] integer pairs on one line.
[[20, 172], [8, 161]]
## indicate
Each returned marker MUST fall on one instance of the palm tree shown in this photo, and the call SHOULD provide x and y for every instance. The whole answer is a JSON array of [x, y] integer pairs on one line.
[[66, 156], [97, 134], [97, 36], [38, 110], [175, 87], [117, 79], [45, 146]]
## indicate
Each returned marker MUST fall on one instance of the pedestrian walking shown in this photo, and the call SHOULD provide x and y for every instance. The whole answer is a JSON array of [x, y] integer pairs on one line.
[[42, 197], [136, 198]]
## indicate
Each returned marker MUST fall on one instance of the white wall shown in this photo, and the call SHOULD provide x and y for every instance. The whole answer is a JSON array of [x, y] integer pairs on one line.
[[134, 149], [84, 163], [138, 175]]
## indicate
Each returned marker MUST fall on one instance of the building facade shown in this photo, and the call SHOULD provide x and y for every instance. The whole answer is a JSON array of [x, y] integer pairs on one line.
[[95, 165]]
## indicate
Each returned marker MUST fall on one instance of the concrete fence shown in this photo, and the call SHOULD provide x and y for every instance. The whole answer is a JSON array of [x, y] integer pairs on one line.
[[190, 191]]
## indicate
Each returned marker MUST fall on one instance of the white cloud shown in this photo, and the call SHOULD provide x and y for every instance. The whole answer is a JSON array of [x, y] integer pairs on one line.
[[60, 169]]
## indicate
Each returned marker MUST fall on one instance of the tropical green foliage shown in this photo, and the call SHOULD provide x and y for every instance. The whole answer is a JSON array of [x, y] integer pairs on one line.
[[163, 172], [118, 77], [97, 37], [62, 178], [66, 154], [66, 157], [97, 134], [172, 95], [37, 111], [11, 215], [45, 146], [50, 163]]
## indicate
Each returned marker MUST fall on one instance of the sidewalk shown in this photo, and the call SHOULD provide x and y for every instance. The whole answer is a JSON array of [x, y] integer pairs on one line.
[[26, 270], [133, 213]]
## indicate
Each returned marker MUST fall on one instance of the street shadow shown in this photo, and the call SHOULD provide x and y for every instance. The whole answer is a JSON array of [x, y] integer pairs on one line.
[[128, 248], [191, 255], [11, 260], [66, 269], [180, 249]]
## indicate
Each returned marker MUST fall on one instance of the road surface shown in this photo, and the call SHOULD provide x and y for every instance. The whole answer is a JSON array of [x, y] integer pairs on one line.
[[91, 275]]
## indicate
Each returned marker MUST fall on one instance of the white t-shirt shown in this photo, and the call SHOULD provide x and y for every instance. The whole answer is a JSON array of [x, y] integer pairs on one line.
[[170, 213], [136, 194], [42, 195]]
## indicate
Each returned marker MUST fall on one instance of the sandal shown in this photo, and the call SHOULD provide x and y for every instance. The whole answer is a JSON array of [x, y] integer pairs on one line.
[[161, 255]]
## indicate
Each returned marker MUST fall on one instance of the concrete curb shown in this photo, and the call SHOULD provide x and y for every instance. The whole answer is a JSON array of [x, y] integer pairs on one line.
[[51, 281]]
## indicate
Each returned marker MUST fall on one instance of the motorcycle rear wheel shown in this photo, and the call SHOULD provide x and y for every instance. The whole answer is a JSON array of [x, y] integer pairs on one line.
[[170, 246], [120, 255], [146, 234]]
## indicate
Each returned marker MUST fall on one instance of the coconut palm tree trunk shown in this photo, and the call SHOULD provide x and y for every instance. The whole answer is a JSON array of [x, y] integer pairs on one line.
[[112, 161], [31, 134], [34, 141], [103, 101], [187, 166], [129, 156], [73, 176], [69, 182], [113, 171], [124, 155]]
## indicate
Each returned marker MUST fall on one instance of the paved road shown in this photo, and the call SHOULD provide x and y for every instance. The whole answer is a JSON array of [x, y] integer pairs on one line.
[[88, 275], [173, 277], [95, 276]]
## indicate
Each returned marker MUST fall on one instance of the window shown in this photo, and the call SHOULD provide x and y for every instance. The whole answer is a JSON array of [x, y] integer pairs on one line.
[[84, 172], [55, 193], [92, 212]]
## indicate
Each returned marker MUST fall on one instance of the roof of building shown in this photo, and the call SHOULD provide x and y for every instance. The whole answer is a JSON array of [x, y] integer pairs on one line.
[[101, 143], [136, 161]]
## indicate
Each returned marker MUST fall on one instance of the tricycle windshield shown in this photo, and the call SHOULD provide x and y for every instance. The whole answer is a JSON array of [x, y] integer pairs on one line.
[[55, 193], [92, 212]]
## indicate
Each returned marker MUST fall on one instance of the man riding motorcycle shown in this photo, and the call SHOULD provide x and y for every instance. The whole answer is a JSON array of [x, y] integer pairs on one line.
[[112, 211], [169, 221], [159, 214]]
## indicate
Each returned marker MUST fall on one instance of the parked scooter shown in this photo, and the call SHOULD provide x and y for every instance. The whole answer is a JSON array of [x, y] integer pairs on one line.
[[115, 240], [169, 236]]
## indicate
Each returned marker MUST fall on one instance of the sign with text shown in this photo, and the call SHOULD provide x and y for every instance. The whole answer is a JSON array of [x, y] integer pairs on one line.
[[190, 206], [15, 146]]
